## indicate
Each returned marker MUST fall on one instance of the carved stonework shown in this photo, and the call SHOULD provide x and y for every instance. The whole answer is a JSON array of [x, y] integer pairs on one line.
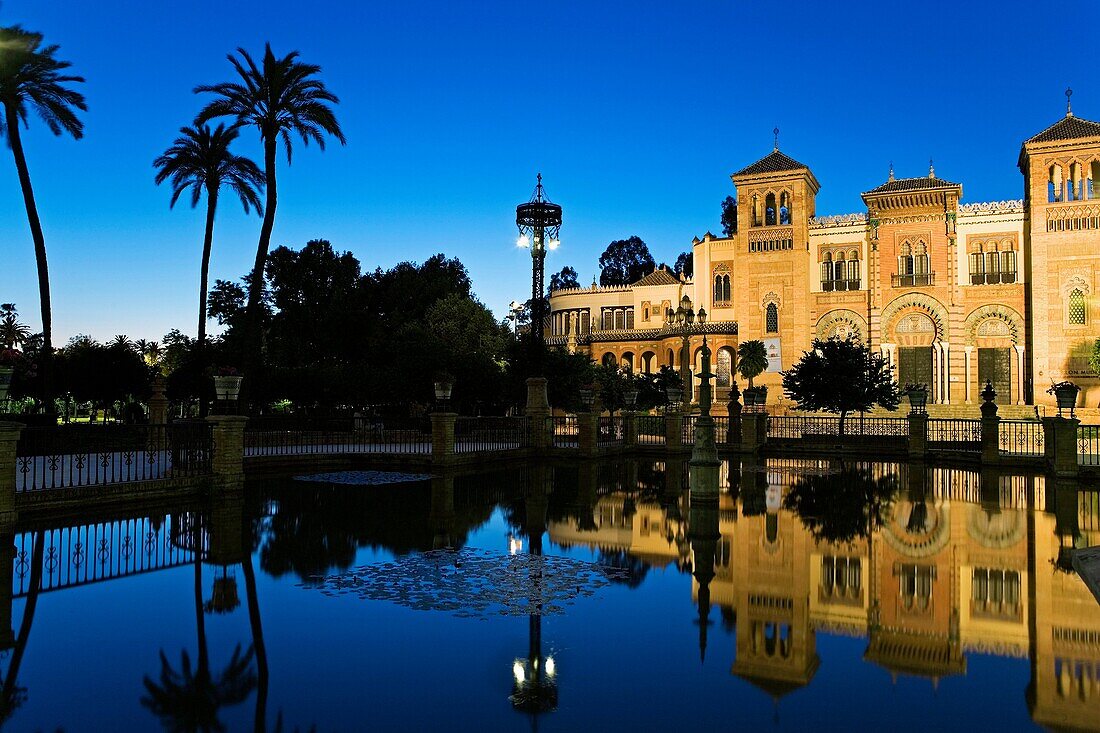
[[925, 304], [842, 323], [994, 321]]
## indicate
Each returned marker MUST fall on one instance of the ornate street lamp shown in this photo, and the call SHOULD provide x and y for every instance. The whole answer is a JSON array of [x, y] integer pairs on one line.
[[539, 222], [683, 320]]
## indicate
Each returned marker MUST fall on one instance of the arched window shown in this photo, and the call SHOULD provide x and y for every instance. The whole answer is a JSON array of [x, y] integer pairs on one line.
[[1077, 307], [920, 259], [609, 359], [727, 292], [993, 264], [1074, 190], [785, 208], [770, 210], [977, 268], [717, 288], [725, 367], [1055, 185], [1008, 266], [771, 318], [839, 267], [905, 259], [755, 210], [826, 271], [853, 270]]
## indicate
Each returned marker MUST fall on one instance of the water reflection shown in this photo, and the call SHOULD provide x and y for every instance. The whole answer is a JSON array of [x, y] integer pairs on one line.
[[929, 565]]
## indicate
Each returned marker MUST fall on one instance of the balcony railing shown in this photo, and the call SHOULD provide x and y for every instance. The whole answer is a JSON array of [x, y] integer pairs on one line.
[[992, 278], [830, 286], [911, 281]]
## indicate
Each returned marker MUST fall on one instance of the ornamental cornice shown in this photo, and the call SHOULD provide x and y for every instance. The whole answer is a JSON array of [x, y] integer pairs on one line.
[[723, 328], [838, 220], [914, 219], [993, 207]]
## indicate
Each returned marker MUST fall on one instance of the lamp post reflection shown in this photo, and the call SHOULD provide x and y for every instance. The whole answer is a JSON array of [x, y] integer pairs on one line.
[[534, 678]]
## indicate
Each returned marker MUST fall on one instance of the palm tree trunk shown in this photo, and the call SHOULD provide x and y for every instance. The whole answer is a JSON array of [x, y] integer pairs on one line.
[[204, 283], [260, 723], [200, 619], [45, 367], [253, 321], [9, 687]]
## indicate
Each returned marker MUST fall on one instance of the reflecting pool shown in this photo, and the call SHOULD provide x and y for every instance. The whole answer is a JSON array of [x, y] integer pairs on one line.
[[789, 594]]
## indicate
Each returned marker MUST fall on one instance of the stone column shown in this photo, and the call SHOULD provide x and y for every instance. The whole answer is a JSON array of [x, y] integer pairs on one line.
[[630, 428], [945, 350], [1019, 374], [588, 432], [1065, 446], [158, 403], [538, 414], [754, 431], [227, 464], [674, 431], [918, 435], [1049, 438], [9, 438], [443, 438], [969, 350]]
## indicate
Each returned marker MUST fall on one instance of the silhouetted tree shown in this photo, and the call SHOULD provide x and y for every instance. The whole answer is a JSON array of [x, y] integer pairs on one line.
[[685, 264], [841, 375], [31, 76], [843, 505], [200, 161], [752, 359], [625, 261], [729, 216], [13, 332], [280, 97], [567, 278]]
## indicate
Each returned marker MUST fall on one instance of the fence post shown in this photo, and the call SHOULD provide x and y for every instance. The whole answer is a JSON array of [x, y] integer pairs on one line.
[[630, 428], [227, 463], [9, 438], [733, 436], [1049, 438], [674, 431], [588, 431], [754, 431], [918, 435], [991, 426], [443, 437], [1065, 446], [538, 414], [158, 403]]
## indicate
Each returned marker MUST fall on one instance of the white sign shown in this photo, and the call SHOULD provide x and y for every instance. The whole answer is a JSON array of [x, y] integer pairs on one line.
[[775, 354]]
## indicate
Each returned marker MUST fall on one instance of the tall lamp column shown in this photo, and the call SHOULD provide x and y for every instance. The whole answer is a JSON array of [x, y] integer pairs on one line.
[[539, 222]]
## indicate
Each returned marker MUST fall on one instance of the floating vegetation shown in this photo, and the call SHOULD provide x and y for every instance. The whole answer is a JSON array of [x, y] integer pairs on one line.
[[363, 478], [472, 583]]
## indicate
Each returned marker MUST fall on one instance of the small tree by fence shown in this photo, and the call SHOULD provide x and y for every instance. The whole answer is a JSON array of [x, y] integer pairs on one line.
[[842, 376]]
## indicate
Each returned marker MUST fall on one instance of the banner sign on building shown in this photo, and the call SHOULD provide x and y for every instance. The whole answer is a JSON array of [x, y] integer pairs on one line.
[[775, 354]]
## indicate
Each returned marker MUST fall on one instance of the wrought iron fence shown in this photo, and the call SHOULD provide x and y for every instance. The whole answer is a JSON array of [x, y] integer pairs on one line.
[[1020, 438], [69, 456], [476, 434], [564, 432], [286, 436], [796, 427], [955, 434], [1088, 445], [651, 429], [611, 431]]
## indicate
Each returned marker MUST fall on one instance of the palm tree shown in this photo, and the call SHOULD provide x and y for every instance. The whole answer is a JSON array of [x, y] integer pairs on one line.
[[280, 98], [30, 77], [121, 341], [200, 161], [13, 332], [752, 359]]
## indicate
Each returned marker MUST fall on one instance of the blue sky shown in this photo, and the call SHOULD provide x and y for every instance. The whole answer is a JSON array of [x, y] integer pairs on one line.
[[636, 113]]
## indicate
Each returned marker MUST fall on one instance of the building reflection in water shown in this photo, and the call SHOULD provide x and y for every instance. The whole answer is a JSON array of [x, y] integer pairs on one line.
[[928, 564]]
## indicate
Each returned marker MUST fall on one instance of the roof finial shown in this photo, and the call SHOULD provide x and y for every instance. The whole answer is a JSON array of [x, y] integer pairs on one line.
[[891, 176], [776, 133], [1069, 107], [931, 170], [538, 188]]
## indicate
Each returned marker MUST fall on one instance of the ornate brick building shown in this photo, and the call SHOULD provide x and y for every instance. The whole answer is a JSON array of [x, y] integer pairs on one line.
[[951, 293]]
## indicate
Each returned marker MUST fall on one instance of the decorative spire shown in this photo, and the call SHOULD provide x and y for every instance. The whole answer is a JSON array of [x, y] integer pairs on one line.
[[1069, 107], [538, 188], [776, 133], [931, 170], [891, 176]]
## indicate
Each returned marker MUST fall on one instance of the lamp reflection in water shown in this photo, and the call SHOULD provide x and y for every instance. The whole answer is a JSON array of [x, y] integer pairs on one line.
[[534, 678]]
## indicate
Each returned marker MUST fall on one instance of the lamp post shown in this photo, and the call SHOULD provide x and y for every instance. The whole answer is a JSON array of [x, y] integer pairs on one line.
[[682, 320], [539, 222]]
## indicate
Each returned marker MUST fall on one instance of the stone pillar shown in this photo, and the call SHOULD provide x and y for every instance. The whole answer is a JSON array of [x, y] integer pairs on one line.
[[443, 437], [1065, 446], [1019, 374], [536, 396], [754, 431], [158, 403], [946, 354], [991, 427], [441, 515], [733, 437], [918, 435], [630, 428], [969, 350], [9, 438], [588, 432], [674, 431], [538, 415], [1049, 437], [227, 464]]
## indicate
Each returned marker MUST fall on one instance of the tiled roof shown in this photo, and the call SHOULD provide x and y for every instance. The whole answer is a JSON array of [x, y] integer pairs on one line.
[[912, 184], [657, 277], [1067, 128], [774, 162]]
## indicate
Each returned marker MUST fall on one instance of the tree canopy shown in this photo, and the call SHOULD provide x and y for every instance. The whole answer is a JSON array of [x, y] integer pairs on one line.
[[729, 216], [625, 261], [567, 278], [685, 264], [844, 505], [842, 376]]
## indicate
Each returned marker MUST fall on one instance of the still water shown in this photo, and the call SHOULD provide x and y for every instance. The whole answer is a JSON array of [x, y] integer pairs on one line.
[[786, 596]]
